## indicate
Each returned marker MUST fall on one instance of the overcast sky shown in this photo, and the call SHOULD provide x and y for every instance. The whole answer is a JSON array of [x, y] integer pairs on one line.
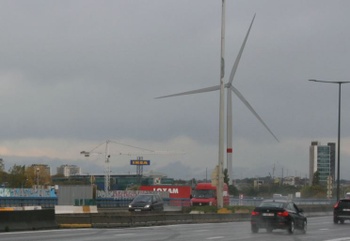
[[74, 74]]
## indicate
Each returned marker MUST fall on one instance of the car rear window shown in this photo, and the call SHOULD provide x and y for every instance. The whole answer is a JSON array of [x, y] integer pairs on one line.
[[344, 203], [272, 204]]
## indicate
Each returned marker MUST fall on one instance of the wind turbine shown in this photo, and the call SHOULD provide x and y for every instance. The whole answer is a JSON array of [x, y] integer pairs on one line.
[[230, 88]]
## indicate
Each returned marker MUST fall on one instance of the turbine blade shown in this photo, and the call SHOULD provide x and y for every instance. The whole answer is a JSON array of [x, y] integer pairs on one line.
[[328, 81], [238, 58], [208, 89], [241, 97]]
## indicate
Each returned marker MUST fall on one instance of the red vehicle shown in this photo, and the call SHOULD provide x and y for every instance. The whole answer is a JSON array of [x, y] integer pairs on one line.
[[205, 195]]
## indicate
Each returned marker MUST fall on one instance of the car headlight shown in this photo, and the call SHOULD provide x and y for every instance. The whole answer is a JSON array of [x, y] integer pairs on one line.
[[130, 206], [147, 206]]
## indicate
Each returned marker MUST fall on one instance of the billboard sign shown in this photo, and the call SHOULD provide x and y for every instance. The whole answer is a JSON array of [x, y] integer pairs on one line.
[[140, 162]]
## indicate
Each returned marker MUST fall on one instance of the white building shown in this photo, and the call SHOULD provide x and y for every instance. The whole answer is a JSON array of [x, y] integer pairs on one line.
[[289, 181], [68, 170]]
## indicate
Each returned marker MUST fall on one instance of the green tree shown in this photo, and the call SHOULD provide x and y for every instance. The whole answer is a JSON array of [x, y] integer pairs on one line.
[[3, 174], [38, 175], [315, 191], [17, 176], [316, 179], [226, 178], [232, 190], [2, 165]]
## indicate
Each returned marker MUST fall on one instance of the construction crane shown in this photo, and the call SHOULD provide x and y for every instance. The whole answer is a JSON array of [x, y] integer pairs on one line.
[[107, 157]]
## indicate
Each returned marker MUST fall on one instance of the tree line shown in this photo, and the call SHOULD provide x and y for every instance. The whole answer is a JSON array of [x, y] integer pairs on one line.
[[21, 176]]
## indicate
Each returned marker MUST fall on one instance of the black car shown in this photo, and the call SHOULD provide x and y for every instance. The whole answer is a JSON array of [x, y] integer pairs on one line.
[[147, 202], [341, 211], [278, 214]]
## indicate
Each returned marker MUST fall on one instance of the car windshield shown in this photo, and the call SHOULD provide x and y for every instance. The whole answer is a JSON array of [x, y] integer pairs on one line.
[[143, 198], [203, 193]]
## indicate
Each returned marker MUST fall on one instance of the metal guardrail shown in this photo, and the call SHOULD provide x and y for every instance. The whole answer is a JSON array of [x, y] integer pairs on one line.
[[117, 203], [185, 202], [44, 202], [298, 201]]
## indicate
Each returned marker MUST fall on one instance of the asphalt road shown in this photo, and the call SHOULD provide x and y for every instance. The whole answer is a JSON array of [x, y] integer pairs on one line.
[[319, 229]]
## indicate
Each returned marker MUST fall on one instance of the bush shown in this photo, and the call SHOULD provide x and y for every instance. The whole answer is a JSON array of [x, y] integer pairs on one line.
[[205, 209]]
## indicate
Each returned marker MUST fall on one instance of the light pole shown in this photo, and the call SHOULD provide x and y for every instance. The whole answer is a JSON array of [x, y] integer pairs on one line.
[[339, 110], [37, 176]]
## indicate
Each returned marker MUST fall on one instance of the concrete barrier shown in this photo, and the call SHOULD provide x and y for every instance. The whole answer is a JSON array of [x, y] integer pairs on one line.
[[24, 208], [113, 220], [127, 219], [88, 216], [69, 209], [27, 220]]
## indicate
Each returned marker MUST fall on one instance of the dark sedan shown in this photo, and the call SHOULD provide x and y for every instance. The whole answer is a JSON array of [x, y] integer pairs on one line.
[[278, 214], [147, 202]]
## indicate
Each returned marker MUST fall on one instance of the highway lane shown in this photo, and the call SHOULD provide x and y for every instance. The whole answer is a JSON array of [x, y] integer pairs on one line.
[[319, 229]]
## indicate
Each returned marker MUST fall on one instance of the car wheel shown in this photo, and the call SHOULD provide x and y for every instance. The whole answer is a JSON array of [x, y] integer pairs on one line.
[[342, 221], [304, 227], [291, 227], [255, 228], [335, 220]]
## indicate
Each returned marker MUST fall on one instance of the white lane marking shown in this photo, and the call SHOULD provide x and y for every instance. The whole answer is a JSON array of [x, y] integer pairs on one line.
[[339, 239], [124, 234], [218, 237], [46, 231]]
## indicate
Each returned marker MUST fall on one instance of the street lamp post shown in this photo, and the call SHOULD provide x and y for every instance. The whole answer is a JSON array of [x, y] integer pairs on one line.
[[37, 176], [339, 111]]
